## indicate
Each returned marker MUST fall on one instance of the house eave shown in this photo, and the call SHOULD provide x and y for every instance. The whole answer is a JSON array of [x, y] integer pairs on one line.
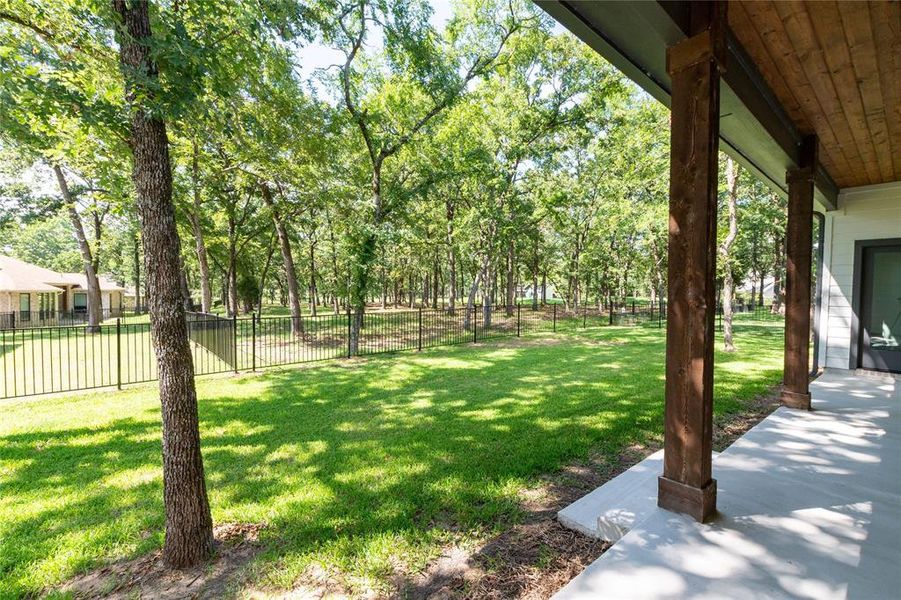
[[754, 128]]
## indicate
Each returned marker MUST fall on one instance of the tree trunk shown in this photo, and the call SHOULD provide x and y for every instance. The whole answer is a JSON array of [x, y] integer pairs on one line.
[[732, 172], [137, 266], [435, 282], [189, 527], [544, 287], [509, 297], [451, 258], [471, 298], [313, 290], [284, 244], [760, 288], [334, 254], [98, 239], [206, 290], [186, 299], [488, 298], [777, 276], [232, 267], [264, 275], [95, 306]]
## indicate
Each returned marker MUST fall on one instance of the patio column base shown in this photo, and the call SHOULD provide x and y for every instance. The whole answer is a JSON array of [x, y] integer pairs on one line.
[[796, 400], [696, 502]]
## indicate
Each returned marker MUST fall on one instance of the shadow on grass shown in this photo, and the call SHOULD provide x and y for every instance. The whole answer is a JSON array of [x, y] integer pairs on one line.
[[361, 465]]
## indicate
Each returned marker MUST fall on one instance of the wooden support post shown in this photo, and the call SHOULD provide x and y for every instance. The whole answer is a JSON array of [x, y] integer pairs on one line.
[[798, 253], [694, 65]]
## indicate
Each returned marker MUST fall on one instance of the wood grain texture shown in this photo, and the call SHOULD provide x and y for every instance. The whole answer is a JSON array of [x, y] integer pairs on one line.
[[835, 68]]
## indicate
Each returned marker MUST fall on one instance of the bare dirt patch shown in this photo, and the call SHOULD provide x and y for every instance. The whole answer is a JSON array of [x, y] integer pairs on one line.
[[148, 577], [729, 428]]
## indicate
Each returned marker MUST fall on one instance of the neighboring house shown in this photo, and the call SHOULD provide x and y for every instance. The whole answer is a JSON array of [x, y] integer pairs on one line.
[[528, 293], [35, 294]]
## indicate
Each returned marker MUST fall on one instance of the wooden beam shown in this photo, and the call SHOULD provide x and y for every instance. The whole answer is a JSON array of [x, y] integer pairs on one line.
[[798, 252], [694, 66]]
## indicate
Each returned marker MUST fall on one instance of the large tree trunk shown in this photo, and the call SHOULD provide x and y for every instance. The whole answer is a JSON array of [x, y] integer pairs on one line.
[[284, 244], [95, 306], [206, 290], [732, 172], [189, 527]]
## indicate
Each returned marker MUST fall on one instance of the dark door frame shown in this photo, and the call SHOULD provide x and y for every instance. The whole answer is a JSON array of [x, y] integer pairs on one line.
[[856, 290]]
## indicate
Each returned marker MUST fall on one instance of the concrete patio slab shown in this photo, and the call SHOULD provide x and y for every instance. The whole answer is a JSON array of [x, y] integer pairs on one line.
[[612, 510], [809, 507]]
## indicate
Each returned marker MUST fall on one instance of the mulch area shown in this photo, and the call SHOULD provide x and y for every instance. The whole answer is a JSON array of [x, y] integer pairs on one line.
[[148, 577]]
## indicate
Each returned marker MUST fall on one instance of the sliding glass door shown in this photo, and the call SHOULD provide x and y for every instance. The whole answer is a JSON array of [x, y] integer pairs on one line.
[[880, 307]]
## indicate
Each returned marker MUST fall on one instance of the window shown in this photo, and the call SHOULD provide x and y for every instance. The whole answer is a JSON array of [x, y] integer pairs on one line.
[[80, 302], [47, 304], [24, 307]]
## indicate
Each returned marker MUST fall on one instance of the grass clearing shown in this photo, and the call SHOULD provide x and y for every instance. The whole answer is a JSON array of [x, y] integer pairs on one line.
[[361, 467]]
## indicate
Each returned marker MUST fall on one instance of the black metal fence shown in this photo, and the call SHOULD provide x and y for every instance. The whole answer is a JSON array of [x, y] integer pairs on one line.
[[42, 360]]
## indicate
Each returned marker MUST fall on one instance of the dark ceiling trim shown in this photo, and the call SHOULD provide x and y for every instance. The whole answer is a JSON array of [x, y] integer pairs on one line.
[[607, 48]]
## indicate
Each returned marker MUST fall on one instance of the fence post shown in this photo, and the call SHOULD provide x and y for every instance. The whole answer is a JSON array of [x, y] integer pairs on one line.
[[518, 319], [253, 342], [633, 307], [610, 316], [13, 319], [348, 331], [475, 324], [555, 318], [235, 340], [118, 354], [584, 317], [420, 329]]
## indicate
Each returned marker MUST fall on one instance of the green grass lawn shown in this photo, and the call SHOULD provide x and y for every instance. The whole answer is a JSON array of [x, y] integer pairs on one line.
[[357, 466]]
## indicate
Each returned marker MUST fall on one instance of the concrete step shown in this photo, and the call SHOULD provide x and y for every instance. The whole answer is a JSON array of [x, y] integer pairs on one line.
[[610, 511]]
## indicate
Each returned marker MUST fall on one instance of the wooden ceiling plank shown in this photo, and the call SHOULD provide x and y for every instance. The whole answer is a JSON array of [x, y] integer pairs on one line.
[[886, 22], [830, 34], [777, 41], [762, 35], [750, 39], [862, 48], [799, 30]]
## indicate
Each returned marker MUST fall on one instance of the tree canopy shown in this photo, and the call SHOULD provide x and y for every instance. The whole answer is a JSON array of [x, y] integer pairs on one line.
[[481, 159]]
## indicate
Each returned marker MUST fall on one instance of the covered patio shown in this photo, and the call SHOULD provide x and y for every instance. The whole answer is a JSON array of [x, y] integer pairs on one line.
[[809, 507], [808, 504]]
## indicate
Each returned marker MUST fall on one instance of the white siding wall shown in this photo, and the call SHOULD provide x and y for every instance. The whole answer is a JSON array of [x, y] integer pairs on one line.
[[866, 213]]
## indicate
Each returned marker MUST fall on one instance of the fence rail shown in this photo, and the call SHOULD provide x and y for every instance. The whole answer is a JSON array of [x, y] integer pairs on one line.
[[65, 358], [21, 319]]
